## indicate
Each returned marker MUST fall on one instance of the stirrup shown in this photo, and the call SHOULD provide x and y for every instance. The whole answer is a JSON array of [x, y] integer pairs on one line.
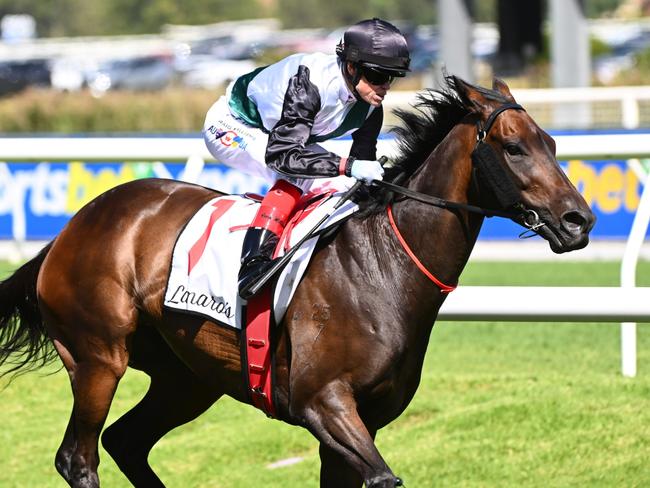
[[252, 271]]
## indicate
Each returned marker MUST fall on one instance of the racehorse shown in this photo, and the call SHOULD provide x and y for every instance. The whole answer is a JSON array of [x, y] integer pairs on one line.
[[350, 350]]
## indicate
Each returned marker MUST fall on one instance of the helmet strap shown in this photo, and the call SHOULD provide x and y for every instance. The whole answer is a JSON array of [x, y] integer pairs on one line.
[[353, 79]]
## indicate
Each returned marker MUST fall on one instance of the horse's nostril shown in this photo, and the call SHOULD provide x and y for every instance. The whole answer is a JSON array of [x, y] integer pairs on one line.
[[577, 221]]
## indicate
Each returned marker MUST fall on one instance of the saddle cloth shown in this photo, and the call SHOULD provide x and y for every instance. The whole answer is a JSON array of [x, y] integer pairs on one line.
[[206, 257]]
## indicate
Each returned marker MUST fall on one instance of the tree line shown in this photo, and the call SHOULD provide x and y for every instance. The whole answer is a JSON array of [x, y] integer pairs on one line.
[[112, 17]]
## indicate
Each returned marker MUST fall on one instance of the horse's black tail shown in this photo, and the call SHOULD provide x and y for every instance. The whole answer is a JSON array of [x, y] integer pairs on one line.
[[24, 343]]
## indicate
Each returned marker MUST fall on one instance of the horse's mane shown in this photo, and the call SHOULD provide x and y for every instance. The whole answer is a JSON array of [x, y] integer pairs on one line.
[[421, 129]]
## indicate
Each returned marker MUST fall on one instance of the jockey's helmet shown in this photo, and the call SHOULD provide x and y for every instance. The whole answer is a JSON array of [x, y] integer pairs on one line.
[[376, 44]]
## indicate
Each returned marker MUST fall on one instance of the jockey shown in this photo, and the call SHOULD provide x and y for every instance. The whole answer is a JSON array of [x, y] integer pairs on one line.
[[271, 120]]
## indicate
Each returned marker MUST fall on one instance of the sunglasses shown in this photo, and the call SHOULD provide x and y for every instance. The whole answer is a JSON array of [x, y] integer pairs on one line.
[[376, 77]]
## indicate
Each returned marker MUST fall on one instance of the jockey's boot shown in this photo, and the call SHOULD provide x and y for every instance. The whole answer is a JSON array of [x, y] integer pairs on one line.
[[264, 233]]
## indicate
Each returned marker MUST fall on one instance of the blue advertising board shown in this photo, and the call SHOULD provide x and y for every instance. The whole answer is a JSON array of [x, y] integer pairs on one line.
[[41, 197]]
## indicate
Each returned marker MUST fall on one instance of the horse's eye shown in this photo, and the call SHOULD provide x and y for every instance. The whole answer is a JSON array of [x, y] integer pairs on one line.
[[514, 149]]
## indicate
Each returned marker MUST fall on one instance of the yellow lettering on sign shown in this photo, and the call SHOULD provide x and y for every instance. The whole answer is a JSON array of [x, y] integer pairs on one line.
[[84, 185], [610, 188], [584, 178], [631, 191]]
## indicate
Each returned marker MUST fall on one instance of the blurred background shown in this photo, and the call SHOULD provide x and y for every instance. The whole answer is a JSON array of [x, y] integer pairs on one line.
[[192, 49]]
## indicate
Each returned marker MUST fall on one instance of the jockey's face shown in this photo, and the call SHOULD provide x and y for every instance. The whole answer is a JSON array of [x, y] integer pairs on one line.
[[369, 92]]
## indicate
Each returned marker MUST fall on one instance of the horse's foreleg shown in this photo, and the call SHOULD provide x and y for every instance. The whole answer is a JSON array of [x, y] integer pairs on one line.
[[332, 416], [175, 397], [335, 471]]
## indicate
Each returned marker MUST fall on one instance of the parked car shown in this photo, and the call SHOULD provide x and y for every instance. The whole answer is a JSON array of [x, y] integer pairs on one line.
[[227, 47], [140, 73], [19, 74], [9, 81], [71, 74], [212, 73]]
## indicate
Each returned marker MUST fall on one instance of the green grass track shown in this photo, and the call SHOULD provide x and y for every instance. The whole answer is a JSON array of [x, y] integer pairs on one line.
[[499, 405]]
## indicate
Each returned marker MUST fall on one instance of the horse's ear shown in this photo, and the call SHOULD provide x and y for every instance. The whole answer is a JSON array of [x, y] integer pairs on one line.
[[470, 95], [499, 85]]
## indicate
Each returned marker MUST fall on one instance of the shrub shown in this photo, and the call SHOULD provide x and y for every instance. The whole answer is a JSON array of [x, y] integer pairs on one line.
[[173, 110]]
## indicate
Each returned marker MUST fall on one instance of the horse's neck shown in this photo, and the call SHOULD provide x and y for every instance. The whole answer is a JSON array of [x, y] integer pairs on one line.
[[441, 239], [446, 172]]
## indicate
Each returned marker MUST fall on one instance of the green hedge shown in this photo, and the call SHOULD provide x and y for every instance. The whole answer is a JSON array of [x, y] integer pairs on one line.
[[173, 110]]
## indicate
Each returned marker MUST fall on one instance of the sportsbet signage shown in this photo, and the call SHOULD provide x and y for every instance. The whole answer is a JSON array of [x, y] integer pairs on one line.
[[38, 199]]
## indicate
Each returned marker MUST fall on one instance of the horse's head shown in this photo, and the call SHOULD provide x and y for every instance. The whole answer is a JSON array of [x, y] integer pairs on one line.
[[517, 169]]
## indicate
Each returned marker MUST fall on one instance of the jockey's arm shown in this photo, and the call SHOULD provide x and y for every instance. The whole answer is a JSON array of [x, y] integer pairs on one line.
[[286, 152]]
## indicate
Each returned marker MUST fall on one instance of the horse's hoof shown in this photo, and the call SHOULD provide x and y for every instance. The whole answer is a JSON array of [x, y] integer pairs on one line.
[[384, 482]]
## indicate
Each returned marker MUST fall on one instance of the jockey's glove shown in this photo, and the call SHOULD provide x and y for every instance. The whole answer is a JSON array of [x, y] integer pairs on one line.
[[366, 170]]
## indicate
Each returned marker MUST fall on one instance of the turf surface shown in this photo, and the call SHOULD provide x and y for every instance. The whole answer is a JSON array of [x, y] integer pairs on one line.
[[500, 404]]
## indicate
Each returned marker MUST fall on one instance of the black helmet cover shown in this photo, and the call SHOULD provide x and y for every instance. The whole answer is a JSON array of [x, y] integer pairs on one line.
[[377, 44]]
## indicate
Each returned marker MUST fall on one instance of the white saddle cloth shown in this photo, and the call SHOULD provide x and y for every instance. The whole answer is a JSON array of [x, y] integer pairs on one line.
[[206, 258]]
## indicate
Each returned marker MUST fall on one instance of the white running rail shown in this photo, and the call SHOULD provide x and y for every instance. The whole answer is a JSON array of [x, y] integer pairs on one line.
[[629, 98]]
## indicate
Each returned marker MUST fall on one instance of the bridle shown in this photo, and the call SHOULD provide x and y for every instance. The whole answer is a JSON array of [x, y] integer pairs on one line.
[[499, 182]]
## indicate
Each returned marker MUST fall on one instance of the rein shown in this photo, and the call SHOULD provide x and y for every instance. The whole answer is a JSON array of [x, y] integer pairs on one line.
[[529, 218], [439, 202]]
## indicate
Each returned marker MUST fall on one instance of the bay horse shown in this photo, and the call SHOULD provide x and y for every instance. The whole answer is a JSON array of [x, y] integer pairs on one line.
[[350, 349]]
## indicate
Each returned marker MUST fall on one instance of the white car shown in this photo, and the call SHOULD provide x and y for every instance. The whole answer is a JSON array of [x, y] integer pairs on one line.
[[214, 73], [71, 74]]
